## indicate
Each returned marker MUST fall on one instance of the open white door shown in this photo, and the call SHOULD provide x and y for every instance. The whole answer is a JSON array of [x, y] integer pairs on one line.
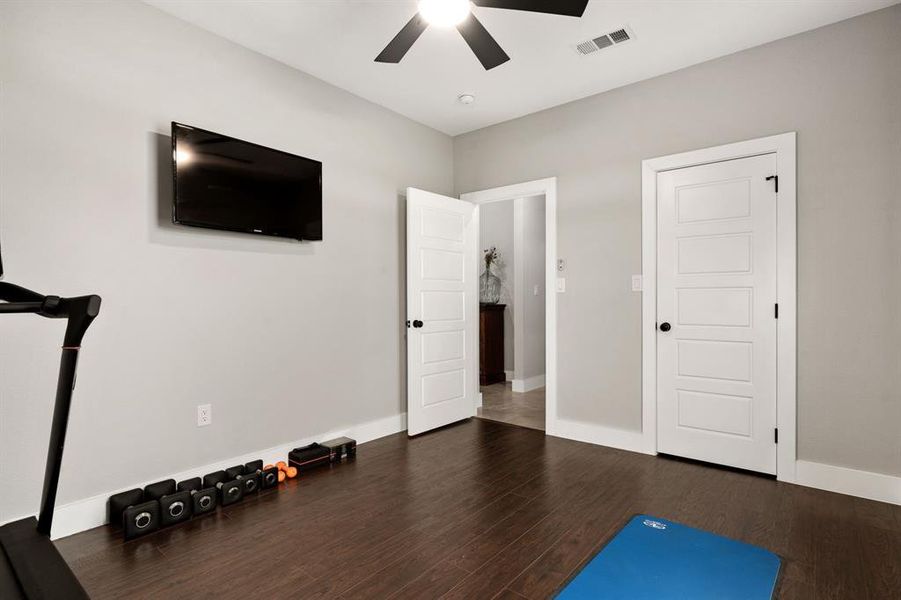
[[442, 310]]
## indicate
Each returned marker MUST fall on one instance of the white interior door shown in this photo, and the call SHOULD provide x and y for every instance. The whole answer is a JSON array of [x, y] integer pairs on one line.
[[716, 335], [442, 310]]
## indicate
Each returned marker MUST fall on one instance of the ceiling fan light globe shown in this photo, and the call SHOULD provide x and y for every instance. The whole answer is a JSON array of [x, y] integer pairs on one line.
[[444, 13]]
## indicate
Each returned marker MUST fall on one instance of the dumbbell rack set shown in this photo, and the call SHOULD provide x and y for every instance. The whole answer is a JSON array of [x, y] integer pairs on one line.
[[164, 503]]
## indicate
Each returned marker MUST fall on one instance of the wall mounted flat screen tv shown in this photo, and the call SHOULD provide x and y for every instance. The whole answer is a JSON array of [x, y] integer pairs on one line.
[[225, 183]]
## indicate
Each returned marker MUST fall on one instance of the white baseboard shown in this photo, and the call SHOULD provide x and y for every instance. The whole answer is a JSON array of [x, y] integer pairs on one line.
[[598, 434], [508, 375], [528, 384], [874, 486], [864, 484], [92, 512]]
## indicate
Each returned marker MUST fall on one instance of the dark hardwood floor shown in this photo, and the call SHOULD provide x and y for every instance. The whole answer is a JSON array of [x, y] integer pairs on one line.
[[485, 510]]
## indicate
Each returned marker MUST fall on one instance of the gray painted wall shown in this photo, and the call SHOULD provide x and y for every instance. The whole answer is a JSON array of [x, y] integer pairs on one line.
[[286, 340], [840, 88], [530, 256], [496, 229]]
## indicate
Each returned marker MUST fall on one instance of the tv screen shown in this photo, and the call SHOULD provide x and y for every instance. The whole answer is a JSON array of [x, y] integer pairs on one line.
[[225, 183]]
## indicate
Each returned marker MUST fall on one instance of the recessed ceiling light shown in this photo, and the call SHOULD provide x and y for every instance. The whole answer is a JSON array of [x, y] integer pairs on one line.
[[466, 98], [444, 13]]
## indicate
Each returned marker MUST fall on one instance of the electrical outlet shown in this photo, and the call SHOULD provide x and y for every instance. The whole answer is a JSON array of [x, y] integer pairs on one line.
[[561, 265], [204, 415]]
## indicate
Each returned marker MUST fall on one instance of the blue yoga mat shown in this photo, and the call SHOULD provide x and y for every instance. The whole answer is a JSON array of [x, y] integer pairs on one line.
[[659, 559]]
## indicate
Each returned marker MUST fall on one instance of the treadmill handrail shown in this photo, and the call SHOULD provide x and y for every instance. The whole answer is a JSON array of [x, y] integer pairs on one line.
[[21, 307], [79, 311], [16, 293]]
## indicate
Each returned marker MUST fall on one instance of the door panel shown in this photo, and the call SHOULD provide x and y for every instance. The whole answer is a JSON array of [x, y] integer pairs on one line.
[[716, 396], [730, 361], [718, 413], [724, 307], [443, 346], [714, 254], [713, 201], [442, 293]]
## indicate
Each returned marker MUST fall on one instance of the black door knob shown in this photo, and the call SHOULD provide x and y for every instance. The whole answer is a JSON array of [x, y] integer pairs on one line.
[[417, 323], [665, 326]]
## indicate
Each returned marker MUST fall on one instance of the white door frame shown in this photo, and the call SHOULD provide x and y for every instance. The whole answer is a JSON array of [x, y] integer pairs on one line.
[[547, 188], [784, 147]]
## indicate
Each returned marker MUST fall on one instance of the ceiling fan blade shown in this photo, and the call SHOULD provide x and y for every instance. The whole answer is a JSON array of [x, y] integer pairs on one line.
[[398, 47], [568, 8], [486, 49]]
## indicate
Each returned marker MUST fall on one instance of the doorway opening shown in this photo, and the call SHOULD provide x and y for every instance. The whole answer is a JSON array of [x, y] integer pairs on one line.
[[512, 311], [442, 288]]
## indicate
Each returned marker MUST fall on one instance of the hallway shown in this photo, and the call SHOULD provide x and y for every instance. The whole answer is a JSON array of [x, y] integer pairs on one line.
[[501, 403]]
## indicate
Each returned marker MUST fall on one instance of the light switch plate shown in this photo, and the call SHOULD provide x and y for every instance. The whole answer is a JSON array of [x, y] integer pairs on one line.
[[637, 284], [561, 285]]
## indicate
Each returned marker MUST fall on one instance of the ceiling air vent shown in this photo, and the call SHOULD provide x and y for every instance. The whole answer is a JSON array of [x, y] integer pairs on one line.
[[619, 36], [602, 42], [623, 34], [587, 47]]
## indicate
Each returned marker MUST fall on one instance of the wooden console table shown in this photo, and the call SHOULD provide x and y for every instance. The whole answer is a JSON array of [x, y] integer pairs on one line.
[[491, 343]]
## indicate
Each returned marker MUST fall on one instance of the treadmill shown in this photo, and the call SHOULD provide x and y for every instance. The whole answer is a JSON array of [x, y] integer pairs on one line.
[[31, 568]]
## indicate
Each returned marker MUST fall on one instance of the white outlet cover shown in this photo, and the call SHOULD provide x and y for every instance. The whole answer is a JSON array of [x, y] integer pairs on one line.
[[204, 415]]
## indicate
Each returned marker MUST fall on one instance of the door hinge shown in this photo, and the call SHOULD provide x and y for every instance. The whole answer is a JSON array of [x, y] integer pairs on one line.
[[776, 435], [776, 311], [776, 179]]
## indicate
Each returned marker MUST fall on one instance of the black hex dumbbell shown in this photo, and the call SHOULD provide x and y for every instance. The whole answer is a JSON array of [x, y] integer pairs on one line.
[[234, 472], [175, 506], [230, 490], [203, 500], [250, 475], [250, 480], [133, 514], [268, 477]]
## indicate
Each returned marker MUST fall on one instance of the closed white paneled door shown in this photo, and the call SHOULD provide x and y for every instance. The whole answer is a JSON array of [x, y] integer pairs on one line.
[[716, 313], [442, 310]]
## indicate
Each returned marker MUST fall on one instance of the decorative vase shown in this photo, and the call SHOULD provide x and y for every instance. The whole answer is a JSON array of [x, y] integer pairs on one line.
[[489, 288]]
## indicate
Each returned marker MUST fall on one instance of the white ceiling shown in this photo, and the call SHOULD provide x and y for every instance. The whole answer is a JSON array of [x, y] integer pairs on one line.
[[337, 40]]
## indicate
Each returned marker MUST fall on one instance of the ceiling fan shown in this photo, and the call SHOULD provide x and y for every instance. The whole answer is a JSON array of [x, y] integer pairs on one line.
[[458, 13]]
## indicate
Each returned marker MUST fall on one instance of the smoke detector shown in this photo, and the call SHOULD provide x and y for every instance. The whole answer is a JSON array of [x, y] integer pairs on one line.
[[466, 98], [618, 36]]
